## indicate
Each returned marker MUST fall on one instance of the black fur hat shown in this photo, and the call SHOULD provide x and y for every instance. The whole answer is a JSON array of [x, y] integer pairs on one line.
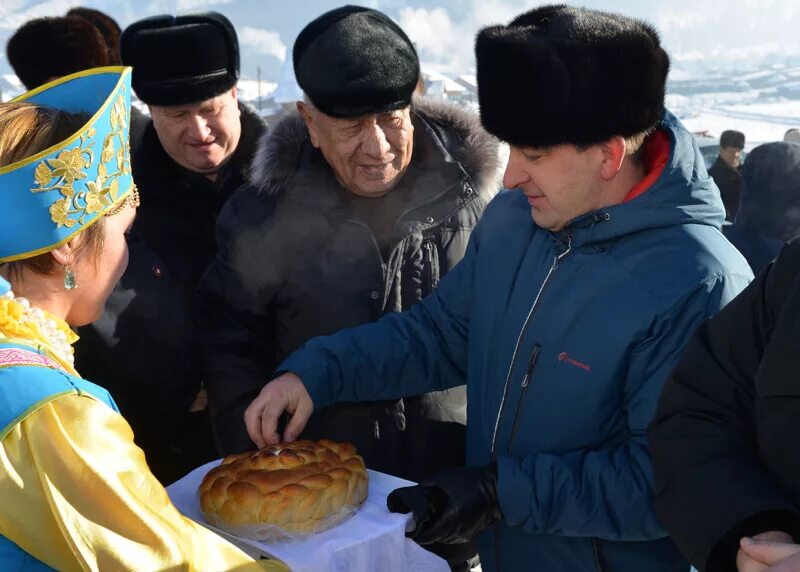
[[47, 48], [107, 27], [183, 59], [353, 60], [559, 74], [731, 138]]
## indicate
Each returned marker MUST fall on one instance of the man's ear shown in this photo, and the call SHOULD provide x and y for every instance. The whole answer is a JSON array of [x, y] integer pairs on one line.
[[308, 116], [613, 153], [235, 96]]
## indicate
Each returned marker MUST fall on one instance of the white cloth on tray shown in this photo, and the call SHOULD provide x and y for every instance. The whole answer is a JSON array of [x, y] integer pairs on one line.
[[372, 539]]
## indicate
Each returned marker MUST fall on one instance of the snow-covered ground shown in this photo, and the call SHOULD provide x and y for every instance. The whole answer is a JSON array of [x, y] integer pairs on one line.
[[762, 103]]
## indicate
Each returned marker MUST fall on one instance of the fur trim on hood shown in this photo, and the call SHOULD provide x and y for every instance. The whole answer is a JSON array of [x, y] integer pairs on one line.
[[480, 154]]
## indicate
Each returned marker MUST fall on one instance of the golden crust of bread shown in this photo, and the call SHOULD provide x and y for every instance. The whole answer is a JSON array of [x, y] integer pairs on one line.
[[296, 488]]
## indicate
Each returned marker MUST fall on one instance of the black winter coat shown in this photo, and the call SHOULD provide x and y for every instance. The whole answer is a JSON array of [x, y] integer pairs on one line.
[[729, 182], [725, 438], [295, 262], [141, 348]]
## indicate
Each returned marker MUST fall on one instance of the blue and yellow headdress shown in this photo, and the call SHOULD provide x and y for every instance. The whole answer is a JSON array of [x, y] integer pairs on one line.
[[48, 198]]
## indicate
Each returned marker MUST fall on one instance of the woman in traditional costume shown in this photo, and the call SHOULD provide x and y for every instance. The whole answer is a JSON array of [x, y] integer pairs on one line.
[[76, 491]]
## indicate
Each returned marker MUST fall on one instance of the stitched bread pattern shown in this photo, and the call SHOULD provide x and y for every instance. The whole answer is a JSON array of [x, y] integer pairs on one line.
[[285, 490]]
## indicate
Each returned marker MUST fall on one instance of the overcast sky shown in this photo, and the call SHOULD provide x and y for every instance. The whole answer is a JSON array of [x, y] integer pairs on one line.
[[724, 33]]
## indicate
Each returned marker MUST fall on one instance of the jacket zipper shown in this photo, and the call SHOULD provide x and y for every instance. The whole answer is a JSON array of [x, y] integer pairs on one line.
[[525, 383], [556, 260], [377, 249], [596, 552], [427, 264], [373, 240]]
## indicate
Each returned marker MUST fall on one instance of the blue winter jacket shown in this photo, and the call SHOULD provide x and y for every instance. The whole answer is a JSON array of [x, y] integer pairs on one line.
[[564, 341]]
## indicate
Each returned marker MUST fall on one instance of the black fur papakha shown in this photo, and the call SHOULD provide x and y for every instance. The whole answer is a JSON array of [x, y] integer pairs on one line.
[[559, 74]]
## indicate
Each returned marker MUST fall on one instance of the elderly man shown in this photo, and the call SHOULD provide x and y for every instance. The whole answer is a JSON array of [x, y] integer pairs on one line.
[[727, 171], [362, 202], [575, 296], [194, 153]]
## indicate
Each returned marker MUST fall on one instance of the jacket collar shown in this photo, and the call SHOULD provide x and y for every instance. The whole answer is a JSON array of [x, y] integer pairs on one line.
[[453, 161], [682, 194]]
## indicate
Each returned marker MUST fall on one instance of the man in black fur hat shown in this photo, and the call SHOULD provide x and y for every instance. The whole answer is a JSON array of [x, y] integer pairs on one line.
[[195, 152], [727, 171], [578, 289], [361, 201]]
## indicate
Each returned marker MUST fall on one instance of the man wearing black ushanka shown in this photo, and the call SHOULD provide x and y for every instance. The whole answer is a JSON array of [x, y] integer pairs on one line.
[[578, 289], [361, 201], [195, 152]]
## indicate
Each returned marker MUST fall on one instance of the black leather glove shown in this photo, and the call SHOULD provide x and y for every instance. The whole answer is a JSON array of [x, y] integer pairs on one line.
[[451, 507]]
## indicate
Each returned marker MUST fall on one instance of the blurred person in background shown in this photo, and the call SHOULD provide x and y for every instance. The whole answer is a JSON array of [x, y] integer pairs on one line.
[[769, 212], [792, 135], [46, 48], [727, 171]]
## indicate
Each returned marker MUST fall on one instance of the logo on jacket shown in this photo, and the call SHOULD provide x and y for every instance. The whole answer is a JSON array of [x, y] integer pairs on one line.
[[563, 357]]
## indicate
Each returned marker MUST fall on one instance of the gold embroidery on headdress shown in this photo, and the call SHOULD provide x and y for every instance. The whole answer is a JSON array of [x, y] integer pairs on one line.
[[71, 165]]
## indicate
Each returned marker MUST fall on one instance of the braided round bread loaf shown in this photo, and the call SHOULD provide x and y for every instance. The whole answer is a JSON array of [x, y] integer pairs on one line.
[[285, 490]]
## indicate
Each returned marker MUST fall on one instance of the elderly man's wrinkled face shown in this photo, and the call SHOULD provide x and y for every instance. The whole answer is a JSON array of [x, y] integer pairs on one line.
[[369, 154], [200, 137]]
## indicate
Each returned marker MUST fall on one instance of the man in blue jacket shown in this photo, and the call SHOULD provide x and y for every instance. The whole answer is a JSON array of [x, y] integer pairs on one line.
[[577, 293]]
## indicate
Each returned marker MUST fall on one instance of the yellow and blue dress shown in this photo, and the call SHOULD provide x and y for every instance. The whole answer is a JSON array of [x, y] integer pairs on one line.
[[77, 492]]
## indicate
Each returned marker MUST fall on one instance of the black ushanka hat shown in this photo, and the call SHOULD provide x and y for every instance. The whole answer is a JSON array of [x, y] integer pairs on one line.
[[353, 60], [47, 48], [183, 59], [559, 74]]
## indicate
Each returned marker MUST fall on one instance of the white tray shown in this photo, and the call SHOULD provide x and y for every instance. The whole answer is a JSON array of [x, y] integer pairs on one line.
[[372, 539]]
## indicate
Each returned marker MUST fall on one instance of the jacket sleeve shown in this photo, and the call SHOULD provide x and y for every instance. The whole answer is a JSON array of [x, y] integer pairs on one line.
[[409, 353], [607, 493], [711, 488], [78, 496], [232, 315]]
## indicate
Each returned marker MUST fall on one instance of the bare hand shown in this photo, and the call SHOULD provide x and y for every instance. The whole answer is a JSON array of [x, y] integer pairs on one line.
[[764, 550], [284, 393]]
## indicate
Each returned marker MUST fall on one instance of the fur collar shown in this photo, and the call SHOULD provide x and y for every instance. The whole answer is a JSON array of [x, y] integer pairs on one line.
[[480, 154]]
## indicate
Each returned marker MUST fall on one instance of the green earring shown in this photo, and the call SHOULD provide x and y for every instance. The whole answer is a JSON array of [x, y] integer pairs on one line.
[[70, 283]]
